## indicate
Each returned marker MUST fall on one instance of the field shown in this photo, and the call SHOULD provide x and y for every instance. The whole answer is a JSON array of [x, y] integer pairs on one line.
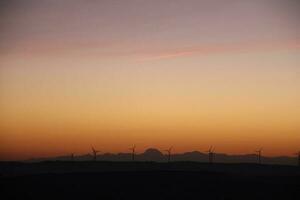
[[147, 180]]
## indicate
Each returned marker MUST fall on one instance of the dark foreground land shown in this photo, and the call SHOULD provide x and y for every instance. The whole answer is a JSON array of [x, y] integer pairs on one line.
[[147, 180]]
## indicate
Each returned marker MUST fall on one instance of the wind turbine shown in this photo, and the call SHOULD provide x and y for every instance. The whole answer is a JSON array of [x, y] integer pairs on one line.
[[169, 151], [72, 156], [211, 154], [259, 152], [132, 151], [298, 154], [94, 153]]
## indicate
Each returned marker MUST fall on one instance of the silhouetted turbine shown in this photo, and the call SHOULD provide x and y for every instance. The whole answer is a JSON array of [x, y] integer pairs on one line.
[[94, 153], [132, 152], [210, 155], [72, 156], [298, 154], [259, 153], [169, 153]]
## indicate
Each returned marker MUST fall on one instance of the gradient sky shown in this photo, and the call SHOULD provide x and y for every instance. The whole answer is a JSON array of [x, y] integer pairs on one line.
[[159, 73]]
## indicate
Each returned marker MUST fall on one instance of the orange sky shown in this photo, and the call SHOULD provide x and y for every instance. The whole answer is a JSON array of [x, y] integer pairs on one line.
[[167, 75]]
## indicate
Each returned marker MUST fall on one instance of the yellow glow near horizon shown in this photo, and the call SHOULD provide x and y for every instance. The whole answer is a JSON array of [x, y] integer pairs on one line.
[[154, 74], [227, 103]]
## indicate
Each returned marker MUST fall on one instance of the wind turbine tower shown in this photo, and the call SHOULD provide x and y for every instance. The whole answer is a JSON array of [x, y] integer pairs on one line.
[[132, 152], [169, 151], [298, 154], [210, 155], [72, 157], [94, 153], [259, 153]]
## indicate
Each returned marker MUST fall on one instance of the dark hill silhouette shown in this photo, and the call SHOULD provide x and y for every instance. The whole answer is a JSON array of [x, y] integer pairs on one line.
[[153, 154], [147, 180]]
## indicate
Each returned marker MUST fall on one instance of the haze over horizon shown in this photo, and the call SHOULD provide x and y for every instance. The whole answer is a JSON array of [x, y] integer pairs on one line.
[[188, 74]]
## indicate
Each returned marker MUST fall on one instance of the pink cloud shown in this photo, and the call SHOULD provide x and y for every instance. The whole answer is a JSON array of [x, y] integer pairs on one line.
[[222, 48]]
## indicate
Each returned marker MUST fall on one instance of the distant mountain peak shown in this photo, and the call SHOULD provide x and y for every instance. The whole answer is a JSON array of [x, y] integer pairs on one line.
[[194, 153], [152, 152]]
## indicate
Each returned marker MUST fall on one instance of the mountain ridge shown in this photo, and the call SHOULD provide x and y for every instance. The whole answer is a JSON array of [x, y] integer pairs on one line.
[[153, 154]]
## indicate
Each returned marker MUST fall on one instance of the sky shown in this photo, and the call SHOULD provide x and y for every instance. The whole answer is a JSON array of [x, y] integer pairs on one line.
[[159, 73]]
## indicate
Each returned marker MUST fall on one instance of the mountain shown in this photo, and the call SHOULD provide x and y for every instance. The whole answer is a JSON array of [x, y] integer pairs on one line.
[[153, 154]]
